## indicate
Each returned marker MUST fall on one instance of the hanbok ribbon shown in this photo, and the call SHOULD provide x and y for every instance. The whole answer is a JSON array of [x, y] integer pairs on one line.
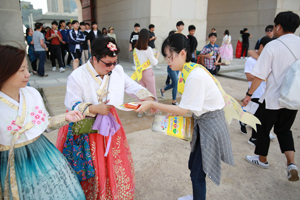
[[137, 75], [107, 126]]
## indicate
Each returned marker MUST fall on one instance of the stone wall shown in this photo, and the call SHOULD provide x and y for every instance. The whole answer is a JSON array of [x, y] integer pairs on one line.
[[122, 15], [236, 15], [11, 21]]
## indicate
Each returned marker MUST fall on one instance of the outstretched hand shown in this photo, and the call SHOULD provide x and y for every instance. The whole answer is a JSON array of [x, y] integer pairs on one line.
[[145, 105], [74, 116]]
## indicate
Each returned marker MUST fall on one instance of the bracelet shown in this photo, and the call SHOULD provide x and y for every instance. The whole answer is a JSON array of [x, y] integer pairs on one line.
[[250, 95], [86, 108]]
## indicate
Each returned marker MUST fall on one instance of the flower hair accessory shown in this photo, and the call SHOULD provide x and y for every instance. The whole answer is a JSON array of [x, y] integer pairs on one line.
[[112, 47]]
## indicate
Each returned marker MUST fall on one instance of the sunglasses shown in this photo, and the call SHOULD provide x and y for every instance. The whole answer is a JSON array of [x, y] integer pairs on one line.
[[110, 64], [269, 30]]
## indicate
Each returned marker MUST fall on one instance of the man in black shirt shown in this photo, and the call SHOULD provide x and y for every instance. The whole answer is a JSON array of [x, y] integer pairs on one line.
[[245, 44], [85, 49], [269, 33], [133, 39], [94, 33], [152, 36]]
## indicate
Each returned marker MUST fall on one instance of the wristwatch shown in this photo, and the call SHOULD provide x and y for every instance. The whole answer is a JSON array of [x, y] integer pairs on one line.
[[250, 95]]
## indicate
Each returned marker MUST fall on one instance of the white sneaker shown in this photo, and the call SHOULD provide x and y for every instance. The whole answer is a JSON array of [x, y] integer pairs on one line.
[[255, 161], [61, 70], [133, 67], [272, 137], [188, 197], [292, 172], [54, 69]]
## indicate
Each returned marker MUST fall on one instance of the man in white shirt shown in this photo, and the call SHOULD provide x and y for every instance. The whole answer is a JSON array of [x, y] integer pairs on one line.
[[273, 64], [250, 63]]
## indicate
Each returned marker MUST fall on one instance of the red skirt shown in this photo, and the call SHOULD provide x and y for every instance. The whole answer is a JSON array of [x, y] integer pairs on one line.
[[114, 175]]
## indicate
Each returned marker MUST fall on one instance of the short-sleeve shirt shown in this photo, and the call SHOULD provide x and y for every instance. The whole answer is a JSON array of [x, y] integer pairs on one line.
[[273, 64], [37, 36], [245, 37], [55, 40], [151, 43], [207, 49], [250, 62], [201, 93], [134, 38]]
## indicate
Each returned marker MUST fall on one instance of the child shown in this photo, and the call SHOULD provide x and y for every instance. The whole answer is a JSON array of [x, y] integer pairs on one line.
[[179, 26], [85, 49], [133, 39], [30, 165], [211, 54], [201, 96], [75, 46]]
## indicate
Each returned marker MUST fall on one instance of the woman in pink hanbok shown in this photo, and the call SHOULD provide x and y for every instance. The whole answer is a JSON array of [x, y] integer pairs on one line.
[[226, 49]]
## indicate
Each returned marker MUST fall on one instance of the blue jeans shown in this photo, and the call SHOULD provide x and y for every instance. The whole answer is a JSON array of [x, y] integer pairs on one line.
[[197, 173], [42, 59], [174, 77]]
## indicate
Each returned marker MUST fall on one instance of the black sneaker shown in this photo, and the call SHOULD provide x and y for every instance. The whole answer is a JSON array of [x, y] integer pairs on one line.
[[243, 128], [252, 141], [162, 94]]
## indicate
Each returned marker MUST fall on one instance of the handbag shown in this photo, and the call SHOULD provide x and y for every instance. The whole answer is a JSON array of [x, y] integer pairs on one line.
[[77, 152]]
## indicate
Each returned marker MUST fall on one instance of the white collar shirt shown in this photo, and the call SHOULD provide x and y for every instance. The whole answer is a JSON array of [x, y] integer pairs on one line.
[[273, 64]]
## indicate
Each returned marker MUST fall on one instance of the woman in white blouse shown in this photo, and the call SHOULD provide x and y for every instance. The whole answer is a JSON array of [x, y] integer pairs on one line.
[[145, 53]]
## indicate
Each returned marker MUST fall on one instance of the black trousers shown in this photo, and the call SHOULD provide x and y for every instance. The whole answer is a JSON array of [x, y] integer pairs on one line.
[[254, 133], [33, 65], [245, 47], [56, 54], [282, 120], [64, 49]]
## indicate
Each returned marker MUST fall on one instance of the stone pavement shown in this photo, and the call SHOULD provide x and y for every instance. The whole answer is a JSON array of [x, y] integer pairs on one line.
[[160, 161]]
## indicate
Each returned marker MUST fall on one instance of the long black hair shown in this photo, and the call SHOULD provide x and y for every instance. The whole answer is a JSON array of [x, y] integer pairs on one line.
[[27, 31], [177, 42]]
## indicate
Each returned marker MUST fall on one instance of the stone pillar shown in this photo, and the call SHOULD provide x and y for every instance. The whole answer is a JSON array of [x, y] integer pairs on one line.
[[11, 21]]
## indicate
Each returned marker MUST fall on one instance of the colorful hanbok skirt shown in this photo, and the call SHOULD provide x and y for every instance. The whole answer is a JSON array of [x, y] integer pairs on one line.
[[42, 172], [114, 175], [226, 53]]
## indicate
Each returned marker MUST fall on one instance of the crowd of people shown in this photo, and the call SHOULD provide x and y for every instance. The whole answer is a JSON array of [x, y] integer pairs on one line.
[[92, 158], [72, 38]]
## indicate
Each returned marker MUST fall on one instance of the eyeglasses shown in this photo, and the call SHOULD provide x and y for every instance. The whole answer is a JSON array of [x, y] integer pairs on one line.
[[110, 64], [169, 59], [269, 30]]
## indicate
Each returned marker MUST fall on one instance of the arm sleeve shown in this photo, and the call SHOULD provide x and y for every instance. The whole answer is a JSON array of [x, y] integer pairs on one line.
[[130, 39], [248, 66], [151, 57], [263, 66], [72, 38], [81, 38], [47, 34], [203, 51], [257, 45]]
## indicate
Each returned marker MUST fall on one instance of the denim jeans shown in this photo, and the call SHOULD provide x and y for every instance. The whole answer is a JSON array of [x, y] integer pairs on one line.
[[197, 173], [174, 77], [42, 59]]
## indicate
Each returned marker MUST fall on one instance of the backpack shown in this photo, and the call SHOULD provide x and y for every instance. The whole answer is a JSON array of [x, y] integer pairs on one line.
[[290, 88]]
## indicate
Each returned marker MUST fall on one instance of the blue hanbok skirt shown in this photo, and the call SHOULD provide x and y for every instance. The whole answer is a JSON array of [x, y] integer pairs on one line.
[[42, 172]]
